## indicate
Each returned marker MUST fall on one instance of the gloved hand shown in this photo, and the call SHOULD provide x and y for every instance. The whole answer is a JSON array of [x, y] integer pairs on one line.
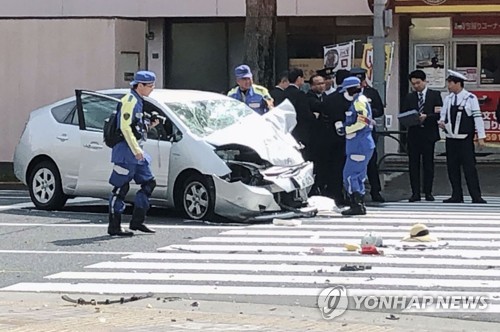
[[339, 128]]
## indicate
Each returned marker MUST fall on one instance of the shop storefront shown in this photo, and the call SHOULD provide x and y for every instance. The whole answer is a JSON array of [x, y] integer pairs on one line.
[[462, 35]]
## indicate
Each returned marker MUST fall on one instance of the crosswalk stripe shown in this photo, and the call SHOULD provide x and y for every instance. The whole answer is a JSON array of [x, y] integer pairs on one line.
[[281, 279], [329, 250], [113, 288], [269, 260], [341, 241], [371, 228], [358, 259], [290, 268], [353, 233]]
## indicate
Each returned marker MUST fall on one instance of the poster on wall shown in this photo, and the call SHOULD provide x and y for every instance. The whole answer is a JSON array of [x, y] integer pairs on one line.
[[431, 58], [339, 56], [367, 61]]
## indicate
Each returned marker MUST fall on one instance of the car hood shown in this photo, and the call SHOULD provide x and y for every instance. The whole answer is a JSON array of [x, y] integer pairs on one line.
[[269, 135]]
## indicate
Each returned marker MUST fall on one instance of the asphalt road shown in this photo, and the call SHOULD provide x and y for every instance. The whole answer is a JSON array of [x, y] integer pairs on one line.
[[69, 252], [36, 243]]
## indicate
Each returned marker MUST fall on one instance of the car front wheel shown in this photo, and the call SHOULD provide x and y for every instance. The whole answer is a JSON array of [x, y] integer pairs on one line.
[[45, 187], [198, 198]]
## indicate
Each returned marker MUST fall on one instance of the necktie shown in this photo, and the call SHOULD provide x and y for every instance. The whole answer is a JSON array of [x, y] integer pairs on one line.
[[420, 102], [455, 103]]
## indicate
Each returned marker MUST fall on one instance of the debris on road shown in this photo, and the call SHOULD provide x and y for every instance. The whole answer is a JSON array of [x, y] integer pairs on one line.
[[392, 317], [121, 300]]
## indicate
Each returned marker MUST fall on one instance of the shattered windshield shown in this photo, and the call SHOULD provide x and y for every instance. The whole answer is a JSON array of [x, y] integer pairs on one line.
[[203, 117]]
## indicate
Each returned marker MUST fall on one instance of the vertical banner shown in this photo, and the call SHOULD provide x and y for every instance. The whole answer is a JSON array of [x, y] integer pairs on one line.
[[338, 56], [367, 62]]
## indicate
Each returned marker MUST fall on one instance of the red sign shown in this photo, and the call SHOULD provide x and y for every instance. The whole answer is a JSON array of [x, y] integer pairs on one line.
[[489, 101], [476, 26]]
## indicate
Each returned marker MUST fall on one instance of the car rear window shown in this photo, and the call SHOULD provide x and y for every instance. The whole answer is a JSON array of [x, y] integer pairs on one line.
[[62, 112]]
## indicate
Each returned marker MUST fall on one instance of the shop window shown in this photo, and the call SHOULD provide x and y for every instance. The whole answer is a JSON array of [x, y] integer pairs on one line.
[[490, 64], [466, 55]]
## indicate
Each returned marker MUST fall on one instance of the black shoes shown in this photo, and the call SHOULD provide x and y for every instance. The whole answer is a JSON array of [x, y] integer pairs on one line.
[[114, 226], [453, 200], [142, 228], [119, 232], [414, 198], [357, 206], [429, 198], [479, 201], [376, 197]]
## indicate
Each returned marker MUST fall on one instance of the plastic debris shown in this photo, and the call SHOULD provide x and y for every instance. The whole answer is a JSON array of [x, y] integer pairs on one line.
[[351, 247], [316, 250], [287, 222]]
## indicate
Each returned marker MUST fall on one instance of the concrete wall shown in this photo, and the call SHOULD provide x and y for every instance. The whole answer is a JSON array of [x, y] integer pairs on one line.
[[130, 38], [174, 8], [42, 61]]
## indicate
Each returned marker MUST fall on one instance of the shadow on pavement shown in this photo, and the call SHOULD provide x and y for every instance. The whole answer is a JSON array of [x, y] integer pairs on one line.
[[88, 240]]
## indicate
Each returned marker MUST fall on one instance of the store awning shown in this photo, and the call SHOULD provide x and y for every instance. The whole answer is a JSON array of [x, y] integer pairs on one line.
[[446, 6]]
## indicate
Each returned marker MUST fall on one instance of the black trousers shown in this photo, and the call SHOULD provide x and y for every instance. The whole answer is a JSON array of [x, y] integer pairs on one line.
[[421, 152], [329, 169], [372, 174], [460, 154]]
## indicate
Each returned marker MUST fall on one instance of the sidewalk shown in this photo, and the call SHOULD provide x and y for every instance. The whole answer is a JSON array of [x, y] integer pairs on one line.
[[398, 188], [27, 312]]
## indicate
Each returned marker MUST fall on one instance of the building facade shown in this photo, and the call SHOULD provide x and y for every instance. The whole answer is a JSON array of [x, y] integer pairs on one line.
[[52, 47]]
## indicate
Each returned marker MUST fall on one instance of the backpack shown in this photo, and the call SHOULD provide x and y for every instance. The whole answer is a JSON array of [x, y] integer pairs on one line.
[[112, 135]]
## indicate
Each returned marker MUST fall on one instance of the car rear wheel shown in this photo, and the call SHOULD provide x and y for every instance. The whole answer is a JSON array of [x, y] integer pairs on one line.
[[45, 187], [198, 198]]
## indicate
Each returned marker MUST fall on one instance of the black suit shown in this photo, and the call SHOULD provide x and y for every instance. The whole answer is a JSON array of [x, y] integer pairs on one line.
[[318, 147], [305, 118], [333, 110], [278, 95], [422, 139], [377, 107]]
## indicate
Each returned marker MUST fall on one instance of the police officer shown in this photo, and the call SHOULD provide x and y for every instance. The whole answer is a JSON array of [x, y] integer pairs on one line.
[[131, 162], [255, 96], [377, 107], [359, 145], [460, 118]]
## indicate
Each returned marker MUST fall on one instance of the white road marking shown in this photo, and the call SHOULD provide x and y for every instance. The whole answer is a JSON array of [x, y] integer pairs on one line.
[[486, 252], [291, 268], [358, 259], [329, 241], [281, 279], [114, 288]]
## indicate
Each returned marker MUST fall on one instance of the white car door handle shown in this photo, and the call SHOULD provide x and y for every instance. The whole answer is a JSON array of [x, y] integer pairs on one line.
[[93, 145], [62, 137]]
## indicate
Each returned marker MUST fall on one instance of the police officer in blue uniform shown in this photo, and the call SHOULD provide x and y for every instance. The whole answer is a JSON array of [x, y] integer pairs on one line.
[[460, 118], [130, 161], [359, 144], [255, 96], [377, 107]]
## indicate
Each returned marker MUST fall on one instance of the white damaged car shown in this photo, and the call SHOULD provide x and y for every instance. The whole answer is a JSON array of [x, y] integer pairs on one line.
[[212, 156]]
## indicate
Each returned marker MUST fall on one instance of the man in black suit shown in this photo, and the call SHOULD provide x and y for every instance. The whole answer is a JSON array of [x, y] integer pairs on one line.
[[278, 92], [422, 138], [305, 118], [319, 134], [377, 111]]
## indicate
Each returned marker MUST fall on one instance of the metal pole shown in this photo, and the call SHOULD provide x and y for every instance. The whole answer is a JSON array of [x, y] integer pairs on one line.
[[379, 67], [379, 48]]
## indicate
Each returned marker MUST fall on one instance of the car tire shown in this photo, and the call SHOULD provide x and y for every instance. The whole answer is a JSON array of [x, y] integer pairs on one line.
[[45, 187], [197, 198]]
